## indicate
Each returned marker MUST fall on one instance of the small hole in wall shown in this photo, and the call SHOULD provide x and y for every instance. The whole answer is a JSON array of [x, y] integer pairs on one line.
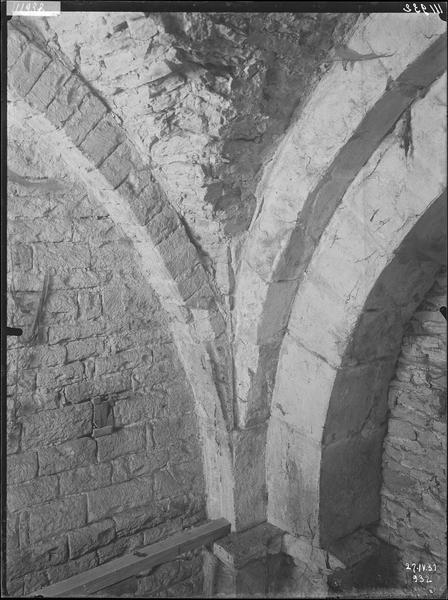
[[443, 311]]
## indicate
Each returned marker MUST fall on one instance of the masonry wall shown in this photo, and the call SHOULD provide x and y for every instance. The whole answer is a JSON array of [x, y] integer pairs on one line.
[[180, 578], [413, 496], [96, 351]]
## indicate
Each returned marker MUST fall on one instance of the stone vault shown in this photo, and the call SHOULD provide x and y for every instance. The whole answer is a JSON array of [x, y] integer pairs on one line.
[[261, 210]]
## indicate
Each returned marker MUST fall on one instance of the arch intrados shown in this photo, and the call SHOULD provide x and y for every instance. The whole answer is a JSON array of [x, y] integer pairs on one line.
[[355, 425]]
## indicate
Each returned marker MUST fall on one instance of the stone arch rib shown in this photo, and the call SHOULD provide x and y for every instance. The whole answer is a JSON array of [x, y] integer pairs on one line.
[[59, 104], [356, 421], [279, 249], [323, 371]]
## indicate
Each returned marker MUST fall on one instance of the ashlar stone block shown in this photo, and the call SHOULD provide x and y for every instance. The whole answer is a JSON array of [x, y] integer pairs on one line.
[[57, 516], [88, 538], [102, 140], [56, 426], [71, 454], [27, 69], [21, 467], [88, 113], [64, 103], [36, 491], [48, 84], [118, 165], [124, 441], [85, 479], [120, 497]]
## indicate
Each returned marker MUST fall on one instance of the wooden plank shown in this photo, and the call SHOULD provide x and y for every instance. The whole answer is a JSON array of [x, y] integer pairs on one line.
[[140, 560]]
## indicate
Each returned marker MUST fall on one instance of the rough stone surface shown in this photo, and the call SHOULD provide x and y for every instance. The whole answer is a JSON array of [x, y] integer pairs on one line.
[[350, 476], [190, 195], [57, 516], [208, 98], [306, 567], [69, 455], [413, 496], [327, 354], [167, 269], [58, 425], [102, 336], [181, 578], [301, 185], [247, 444], [130, 439], [22, 467], [91, 537], [237, 549], [107, 501], [37, 491], [246, 563]]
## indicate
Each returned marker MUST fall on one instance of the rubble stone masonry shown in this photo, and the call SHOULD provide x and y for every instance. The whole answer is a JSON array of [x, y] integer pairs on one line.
[[103, 448], [413, 504]]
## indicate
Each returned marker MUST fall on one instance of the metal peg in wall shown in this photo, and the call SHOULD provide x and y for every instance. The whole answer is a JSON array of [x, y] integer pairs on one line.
[[16, 331]]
